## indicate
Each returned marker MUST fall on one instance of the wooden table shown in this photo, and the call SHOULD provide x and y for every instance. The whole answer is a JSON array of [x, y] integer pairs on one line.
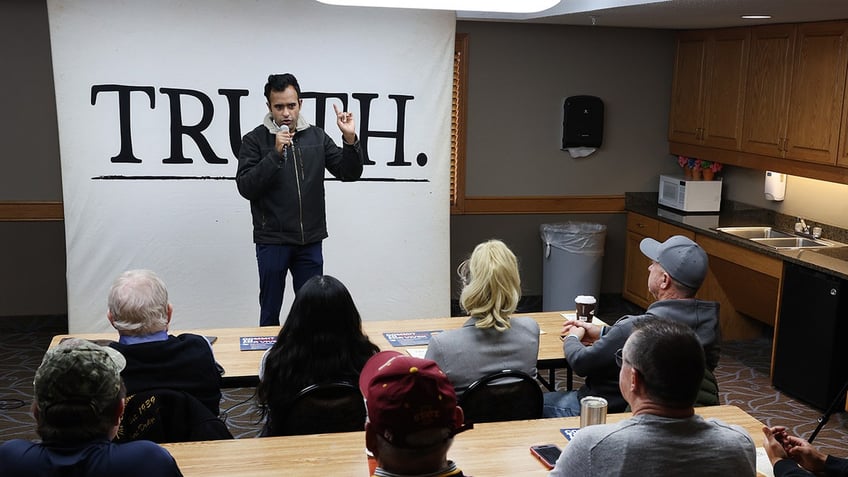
[[241, 368], [501, 448]]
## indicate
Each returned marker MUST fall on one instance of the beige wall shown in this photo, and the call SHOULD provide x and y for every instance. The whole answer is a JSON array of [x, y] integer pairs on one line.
[[29, 141], [519, 76], [815, 200], [33, 272], [32, 275]]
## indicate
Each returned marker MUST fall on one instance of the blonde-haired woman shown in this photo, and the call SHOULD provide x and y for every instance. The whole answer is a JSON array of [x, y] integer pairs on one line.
[[491, 339]]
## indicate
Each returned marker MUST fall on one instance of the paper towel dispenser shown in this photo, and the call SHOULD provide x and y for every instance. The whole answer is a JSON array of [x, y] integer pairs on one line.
[[775, 187], [582, 122]]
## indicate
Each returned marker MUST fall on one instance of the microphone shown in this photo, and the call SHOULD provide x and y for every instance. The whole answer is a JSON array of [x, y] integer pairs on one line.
[[285, 129]]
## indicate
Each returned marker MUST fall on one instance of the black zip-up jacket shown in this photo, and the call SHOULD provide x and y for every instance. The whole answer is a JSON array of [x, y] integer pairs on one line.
[[286, 192]]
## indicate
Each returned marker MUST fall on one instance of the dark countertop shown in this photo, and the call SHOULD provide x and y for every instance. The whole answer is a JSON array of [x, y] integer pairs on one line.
[[833, 261]]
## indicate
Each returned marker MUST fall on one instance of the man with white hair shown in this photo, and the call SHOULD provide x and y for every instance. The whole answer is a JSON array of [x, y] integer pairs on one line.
[[140, 311]]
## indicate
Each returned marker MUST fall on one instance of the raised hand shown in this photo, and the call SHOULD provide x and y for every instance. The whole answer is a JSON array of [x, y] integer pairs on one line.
[[346, 124]]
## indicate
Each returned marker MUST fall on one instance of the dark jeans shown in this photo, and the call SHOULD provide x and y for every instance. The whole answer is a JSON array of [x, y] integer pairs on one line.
[[275, 261]]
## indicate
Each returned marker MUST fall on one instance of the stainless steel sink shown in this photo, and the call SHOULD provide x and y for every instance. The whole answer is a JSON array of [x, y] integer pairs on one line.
[[754, 232], [777, 239], [791, 242]]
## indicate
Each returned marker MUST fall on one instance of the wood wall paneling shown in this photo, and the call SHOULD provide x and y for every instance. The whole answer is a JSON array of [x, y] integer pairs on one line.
[[20, 211], [545, 205]]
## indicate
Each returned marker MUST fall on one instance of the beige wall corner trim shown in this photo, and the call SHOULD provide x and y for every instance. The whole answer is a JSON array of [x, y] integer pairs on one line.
[[588, 204], [20, 211]]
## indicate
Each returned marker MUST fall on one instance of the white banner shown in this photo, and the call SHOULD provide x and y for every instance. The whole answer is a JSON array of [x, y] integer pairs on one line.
[[153, 96]]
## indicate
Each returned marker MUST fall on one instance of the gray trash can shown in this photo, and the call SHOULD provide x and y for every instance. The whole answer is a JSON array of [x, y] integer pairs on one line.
[[572, 256]]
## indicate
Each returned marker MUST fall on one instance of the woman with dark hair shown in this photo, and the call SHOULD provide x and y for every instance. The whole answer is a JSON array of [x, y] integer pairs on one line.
[[321, 341]]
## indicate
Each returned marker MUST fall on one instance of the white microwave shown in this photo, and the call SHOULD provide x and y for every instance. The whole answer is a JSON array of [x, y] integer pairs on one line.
[[690, 196]]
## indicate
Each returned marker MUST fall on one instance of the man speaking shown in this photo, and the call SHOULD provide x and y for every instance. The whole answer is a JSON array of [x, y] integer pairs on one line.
[[281, 171]]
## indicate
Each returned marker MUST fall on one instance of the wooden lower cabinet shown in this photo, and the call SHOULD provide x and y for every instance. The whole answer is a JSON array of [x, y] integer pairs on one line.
[[747, 286], [744, 282], [636, 272]]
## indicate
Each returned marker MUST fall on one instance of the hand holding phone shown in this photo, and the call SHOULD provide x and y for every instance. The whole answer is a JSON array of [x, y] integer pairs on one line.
[[547, 454]]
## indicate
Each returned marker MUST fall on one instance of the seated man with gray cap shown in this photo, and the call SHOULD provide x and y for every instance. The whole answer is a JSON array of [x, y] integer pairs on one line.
[[677, 271], [79, 401], [412, 416]]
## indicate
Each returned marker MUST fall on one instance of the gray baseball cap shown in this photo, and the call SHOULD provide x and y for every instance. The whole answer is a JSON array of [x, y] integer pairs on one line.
[[684, 260], [79, 371]]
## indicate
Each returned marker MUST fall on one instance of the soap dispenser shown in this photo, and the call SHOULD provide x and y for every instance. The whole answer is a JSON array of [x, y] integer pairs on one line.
[[775, 187]]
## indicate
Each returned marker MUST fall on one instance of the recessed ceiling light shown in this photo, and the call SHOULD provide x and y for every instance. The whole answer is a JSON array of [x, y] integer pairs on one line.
[[756, 17], [499, 6]]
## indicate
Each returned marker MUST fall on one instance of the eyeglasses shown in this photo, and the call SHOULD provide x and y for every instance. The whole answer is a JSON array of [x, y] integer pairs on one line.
[[619, 357], [464, 273]]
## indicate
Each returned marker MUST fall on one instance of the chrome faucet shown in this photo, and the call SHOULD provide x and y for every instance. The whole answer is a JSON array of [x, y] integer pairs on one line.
[[802, 228]]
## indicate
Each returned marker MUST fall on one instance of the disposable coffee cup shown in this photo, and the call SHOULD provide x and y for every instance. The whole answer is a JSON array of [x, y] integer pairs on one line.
[[593, 410], [585, 306]]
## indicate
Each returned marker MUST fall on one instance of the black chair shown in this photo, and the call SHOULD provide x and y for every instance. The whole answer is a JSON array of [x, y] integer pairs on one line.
[[168, 415], [320, 409], [502, 396]]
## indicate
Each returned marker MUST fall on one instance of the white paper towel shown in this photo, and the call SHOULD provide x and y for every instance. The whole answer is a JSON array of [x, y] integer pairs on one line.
[[580, 151]]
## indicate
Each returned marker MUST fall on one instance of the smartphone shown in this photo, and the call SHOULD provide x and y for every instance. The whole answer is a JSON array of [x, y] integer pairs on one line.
[[547, 454]]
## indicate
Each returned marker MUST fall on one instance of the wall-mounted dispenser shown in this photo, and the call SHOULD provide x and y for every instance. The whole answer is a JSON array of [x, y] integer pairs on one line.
[[775, 187], [582, 125]]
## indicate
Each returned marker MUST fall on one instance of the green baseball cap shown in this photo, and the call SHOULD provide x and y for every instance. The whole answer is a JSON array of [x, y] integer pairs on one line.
[[81, 372]]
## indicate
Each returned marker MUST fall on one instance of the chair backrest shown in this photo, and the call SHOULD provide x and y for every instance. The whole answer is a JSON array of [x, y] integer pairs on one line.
[[168, 415], [502, 396], [323, 408]]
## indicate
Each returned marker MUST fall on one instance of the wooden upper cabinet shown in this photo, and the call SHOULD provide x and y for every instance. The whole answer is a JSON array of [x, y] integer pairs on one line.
[[816, 94], [767, 91], [687, 90], [708, 89], [725, 81], [842, 158], [796, 81]]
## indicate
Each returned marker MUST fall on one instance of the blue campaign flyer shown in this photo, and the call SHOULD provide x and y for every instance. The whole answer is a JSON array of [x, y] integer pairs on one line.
[[410, 338], [253, 343], [569, 433]]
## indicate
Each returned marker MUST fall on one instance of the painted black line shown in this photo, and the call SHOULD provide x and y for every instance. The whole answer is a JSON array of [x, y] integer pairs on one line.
[[232, 178]]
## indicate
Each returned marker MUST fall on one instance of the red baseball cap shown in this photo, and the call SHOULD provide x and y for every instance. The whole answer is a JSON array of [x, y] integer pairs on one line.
[[405, 395]]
